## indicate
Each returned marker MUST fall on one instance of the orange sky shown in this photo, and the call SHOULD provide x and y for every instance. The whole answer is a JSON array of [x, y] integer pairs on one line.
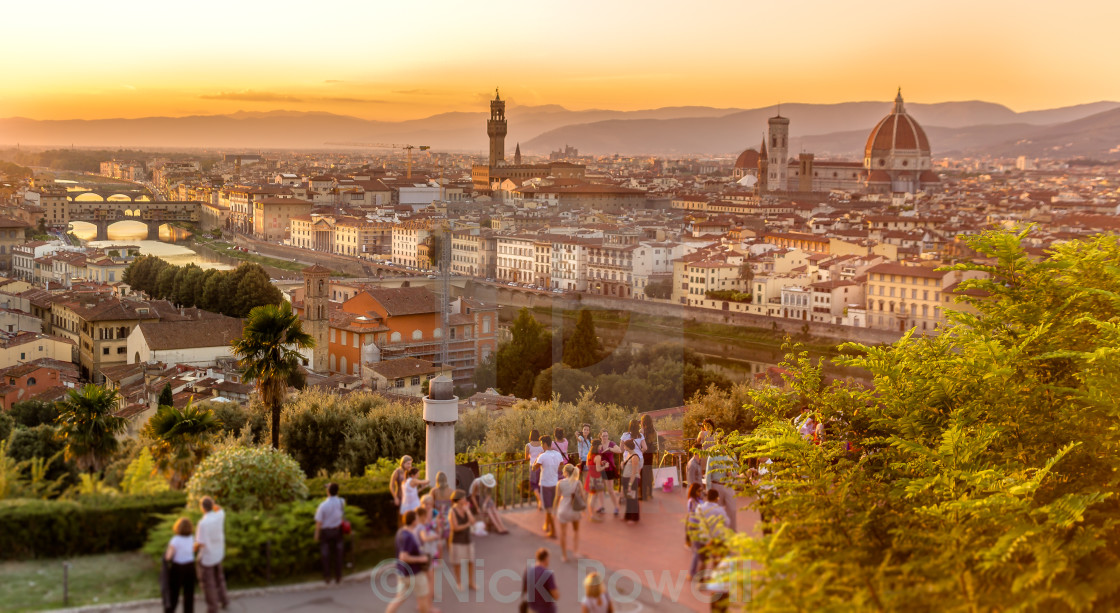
[[393, 61]]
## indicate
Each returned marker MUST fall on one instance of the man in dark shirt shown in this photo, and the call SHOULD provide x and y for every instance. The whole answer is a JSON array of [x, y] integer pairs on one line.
[[412, 566], [540, 585]]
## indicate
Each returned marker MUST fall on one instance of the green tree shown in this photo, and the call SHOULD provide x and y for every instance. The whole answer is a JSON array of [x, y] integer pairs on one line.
[[662, 290], [31, 413], [524, 356], [88, 427], [254, 289], [980, 471], [268, 354], [181, 439], [166, 397], [165, 283], [582, 348]]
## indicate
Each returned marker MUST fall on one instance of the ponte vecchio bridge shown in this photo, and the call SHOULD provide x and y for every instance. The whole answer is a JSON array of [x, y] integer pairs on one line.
[[103, 214]]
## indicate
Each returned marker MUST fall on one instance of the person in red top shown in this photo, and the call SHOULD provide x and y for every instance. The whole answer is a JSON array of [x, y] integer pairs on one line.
[[595, 481], [609, 451]]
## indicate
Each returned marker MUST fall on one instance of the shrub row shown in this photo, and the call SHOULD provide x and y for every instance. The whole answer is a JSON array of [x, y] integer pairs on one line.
[[373, 498], [52, 528]]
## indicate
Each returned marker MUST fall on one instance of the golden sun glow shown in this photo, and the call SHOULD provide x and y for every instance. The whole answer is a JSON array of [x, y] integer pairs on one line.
[[393, 61]]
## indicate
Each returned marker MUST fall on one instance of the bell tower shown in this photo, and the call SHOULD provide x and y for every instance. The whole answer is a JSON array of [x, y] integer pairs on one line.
[[316, 318], [779, 154], [496, 130]]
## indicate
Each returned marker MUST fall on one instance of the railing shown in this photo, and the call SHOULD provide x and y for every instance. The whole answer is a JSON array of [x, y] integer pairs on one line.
[[512, 489]]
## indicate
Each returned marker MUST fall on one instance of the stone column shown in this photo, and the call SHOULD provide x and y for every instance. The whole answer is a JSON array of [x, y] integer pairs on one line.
[[441, 411]]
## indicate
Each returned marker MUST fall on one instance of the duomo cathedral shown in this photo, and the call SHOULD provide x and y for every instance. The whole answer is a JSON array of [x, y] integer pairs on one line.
[[896, 159]]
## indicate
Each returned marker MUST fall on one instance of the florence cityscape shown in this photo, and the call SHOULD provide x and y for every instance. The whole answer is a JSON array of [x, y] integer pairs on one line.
[[586, 307]]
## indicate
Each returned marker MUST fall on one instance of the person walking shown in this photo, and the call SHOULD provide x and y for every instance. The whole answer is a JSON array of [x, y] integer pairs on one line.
[[596, 488], [181, 575], [533, 449], [412, 564], [462, 549], [210, 541], [649, 456], [539, 585], [482, 499], [411, 486], [595, 599], [631, 474], [397, 479], [583, 445], [695, 499], [570, 504], [328, 533], [549, 461], [609, 451]]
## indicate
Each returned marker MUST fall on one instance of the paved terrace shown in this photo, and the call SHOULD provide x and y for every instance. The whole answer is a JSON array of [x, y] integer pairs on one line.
[[648, 560]]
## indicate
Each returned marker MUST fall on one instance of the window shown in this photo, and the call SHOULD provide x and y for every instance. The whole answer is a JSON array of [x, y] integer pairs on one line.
[[399, 383], [452, 337], [416, 380], [121, 350], [30, 381], [332, 335], [104, 351], [354, 338]]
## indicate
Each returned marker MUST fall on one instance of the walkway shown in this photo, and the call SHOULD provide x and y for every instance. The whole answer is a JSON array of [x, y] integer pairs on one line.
[[645, 563]]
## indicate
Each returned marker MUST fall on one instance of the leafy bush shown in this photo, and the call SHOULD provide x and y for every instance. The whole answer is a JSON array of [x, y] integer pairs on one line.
[[283, 537], [52, 528], [325, 431], [42, 442], [6, 425], [141, 478], [246, 478], [728, 409], [470, 430]]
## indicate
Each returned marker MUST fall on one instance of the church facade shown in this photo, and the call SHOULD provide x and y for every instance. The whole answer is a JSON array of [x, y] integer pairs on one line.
[[896, 160]]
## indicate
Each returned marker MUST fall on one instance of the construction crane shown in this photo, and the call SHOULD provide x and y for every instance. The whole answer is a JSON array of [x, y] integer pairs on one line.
[[407, 148]]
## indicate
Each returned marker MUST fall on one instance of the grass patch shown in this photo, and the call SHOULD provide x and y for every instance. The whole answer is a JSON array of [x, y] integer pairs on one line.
[[36, 585], [227, 249]]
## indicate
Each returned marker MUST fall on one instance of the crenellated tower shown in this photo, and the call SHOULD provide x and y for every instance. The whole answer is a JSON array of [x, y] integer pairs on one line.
[[496, 129]]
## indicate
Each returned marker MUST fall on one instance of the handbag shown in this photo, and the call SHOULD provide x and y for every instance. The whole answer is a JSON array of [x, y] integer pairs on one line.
[[346, 527], [579, 503]]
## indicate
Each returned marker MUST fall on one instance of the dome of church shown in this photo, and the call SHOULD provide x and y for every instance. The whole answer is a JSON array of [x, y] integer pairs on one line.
[[747, 159], [897, 132]]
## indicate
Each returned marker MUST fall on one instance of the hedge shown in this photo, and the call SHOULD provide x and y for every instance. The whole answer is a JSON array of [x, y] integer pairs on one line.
[[53, 528]]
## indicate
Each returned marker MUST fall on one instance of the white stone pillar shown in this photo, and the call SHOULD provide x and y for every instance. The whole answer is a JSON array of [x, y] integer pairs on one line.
[[441, 411]]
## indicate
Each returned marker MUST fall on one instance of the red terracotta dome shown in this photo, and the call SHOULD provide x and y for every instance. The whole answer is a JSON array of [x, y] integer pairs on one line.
[[747, 159], [896, 132], [879, 176]]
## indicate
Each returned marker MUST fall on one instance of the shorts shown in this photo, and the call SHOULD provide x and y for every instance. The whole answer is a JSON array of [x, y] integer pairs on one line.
[[611, 474], [408, 585], [535, 481], [548, 496], [595, 484], [460, 552]]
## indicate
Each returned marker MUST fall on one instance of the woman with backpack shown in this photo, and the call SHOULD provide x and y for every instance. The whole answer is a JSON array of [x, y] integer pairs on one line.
[[570, 504]]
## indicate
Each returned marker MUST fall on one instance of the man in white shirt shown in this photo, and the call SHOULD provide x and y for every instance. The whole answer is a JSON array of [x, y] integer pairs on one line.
[[549, 461], [210, 542]]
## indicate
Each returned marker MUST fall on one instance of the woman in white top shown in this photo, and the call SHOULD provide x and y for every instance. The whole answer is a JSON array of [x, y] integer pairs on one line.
[[411, 499], [595, 598], [533, 449], [181, 577], [634, 433]]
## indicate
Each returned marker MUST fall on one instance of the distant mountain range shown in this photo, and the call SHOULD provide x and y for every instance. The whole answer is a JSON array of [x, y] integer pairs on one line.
[[828, 130]]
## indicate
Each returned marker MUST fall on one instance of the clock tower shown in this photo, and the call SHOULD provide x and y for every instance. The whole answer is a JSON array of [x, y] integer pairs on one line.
[[496, 129]]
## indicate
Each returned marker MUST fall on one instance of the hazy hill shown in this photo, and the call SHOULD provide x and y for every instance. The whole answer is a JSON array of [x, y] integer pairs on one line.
[[826, 129]]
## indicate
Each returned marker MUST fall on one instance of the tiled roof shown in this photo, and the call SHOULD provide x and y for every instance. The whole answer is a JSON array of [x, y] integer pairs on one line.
[[167, 335]]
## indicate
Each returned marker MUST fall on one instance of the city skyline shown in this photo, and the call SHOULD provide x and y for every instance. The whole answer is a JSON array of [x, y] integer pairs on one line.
[[394, 63]]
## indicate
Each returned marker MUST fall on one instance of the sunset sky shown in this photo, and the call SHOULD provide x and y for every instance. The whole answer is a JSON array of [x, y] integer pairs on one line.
[[398, 60]]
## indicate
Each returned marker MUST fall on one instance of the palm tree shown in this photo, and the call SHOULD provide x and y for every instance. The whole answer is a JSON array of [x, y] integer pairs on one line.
[[182, 439], [268, 352], [87, 425]]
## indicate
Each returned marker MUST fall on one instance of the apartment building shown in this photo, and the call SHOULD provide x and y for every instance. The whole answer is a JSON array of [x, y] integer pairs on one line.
[[514, 258], [407, 238], [272, 216], [569, 262], [466, 253], [901, 296]]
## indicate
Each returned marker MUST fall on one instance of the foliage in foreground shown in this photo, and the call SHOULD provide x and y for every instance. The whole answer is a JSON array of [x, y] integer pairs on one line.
[[981, 471]]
